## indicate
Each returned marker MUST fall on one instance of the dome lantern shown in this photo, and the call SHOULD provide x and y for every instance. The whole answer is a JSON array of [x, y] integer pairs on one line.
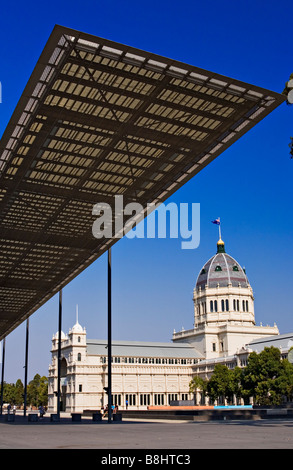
[[220, 246]]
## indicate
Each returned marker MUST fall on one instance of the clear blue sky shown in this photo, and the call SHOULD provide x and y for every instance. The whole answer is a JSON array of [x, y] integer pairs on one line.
[[249, 186]]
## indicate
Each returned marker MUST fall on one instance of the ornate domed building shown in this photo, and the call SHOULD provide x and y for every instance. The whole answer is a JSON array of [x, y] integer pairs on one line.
[[222, 292], [224, 318], [153, 374]]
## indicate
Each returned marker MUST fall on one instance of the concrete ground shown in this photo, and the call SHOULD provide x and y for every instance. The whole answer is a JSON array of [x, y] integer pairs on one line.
[[145, 435]]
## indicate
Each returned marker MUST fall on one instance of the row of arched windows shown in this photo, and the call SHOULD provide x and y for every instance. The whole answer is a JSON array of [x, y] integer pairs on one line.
[[201, 308], [225, 305], [213, 305], [236, 305], [222, 306], [245, 305]]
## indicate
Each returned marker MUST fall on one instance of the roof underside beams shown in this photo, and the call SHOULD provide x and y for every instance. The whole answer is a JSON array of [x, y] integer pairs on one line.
[[96, 120]]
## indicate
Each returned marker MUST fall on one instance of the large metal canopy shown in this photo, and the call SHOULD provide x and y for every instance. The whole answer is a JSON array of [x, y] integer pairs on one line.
[[99, 119]]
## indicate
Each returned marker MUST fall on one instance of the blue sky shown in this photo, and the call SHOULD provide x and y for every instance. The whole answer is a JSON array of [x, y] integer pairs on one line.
[[249, 186]]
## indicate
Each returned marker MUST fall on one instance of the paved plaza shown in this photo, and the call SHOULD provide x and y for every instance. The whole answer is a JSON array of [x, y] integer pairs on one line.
[[147, 435]]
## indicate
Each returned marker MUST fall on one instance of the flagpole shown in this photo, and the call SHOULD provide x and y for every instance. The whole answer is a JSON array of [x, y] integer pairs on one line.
[[220, 230]]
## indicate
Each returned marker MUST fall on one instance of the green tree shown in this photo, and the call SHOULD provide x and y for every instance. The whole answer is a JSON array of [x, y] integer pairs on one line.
[[8, 393], [221, 383], [236, 380], [260, 376], [197, 383], [38, 391], [18, 393], [43, 391], [32, 391], [283, 384]]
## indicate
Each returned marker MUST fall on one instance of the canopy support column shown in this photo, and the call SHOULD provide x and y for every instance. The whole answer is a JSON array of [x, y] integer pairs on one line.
[[2, 374], [109, 337], [26, 368], [59, 356]]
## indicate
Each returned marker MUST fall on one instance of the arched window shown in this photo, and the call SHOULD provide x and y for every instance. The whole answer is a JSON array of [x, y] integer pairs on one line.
[[216, 306], [211, 306], [63, 371], [243, 305], [234, 304], [227, 305], [237, 305], [79, 357], [223, 305], [247, 305]]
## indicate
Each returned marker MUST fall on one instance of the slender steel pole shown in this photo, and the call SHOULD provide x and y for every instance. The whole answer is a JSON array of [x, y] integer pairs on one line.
[[26, 368], [109, 337], [59, 356], [2, 374]]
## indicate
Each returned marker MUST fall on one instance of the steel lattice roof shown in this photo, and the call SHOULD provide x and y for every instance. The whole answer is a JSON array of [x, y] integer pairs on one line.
[[99, 119]]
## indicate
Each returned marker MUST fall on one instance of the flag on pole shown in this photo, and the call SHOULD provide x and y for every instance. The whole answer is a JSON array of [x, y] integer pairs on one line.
[[217, 222]]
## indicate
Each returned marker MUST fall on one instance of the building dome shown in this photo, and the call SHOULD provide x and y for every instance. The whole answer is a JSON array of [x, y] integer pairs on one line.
[[63, 336], [221, 270], [77, 328]]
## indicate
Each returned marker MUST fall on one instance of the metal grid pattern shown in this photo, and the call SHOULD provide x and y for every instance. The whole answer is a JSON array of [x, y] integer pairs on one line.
[[99, 119]]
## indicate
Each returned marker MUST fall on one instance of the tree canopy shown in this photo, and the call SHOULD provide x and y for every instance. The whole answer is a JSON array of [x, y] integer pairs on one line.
[[37, 392], [267, 378]]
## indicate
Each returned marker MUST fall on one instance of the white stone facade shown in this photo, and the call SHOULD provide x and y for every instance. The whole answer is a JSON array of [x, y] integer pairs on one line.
[[143, 374]]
